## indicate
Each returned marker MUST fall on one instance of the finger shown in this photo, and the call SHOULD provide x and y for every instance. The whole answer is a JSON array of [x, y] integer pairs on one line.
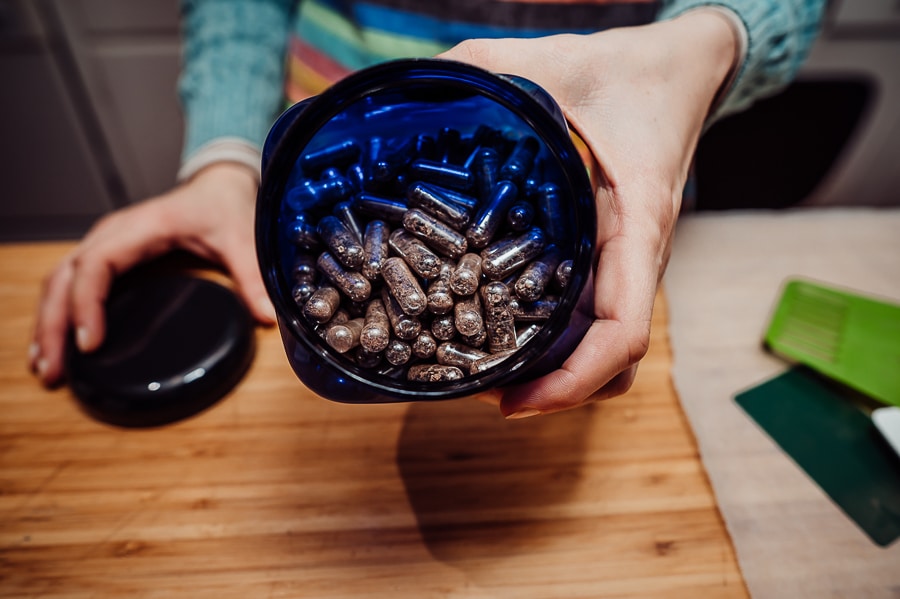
[[245, 271], [625, 289], [121, 244], [46, 354]]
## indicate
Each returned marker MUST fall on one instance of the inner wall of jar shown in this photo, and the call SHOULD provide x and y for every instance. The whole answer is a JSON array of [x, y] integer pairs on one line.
[[395, 118]]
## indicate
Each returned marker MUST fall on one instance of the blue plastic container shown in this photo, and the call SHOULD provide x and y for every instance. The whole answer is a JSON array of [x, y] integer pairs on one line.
[[400, 100]]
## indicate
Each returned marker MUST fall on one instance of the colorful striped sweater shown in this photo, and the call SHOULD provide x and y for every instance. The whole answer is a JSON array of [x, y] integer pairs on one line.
[[242, 58]]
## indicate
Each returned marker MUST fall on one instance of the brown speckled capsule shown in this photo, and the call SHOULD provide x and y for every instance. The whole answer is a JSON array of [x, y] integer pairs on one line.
[[440, 298], [498, 321], [341, 241], [344, 211], [405, 326], [550, 211], [439, 236], [508, 255], [416, 254], [477, 340], [344, 337], [467, 275], [458, 354], [520, 216], [322, 304], [339, 317], [564, 274], [403, 286], [442, 327], [353, 284], [376, 333], [534, 278], [533, 311], [489, 361], [492, 214], [424, 345], [467, 315], [376, 247], [433, 373], [398, 352], [432, 200]]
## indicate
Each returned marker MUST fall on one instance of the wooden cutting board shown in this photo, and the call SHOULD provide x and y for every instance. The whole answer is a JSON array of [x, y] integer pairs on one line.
[[275, 492]]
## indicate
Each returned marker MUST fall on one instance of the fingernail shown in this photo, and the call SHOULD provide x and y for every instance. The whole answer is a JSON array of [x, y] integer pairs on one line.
[[526, 413], [81, 338], [34, 350], [266, 307]]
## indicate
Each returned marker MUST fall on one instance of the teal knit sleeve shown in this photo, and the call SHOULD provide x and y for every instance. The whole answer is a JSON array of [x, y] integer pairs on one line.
[[779, 36], [231, 85]]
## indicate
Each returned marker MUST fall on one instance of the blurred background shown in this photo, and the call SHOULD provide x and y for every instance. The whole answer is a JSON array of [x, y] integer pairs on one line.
[[90, 119]]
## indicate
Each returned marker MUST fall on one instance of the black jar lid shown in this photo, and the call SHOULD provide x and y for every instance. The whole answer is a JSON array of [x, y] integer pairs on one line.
[[175, 345]]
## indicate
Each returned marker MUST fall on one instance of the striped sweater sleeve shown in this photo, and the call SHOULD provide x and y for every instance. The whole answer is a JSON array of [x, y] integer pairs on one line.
[[780, 34], [231, 81]]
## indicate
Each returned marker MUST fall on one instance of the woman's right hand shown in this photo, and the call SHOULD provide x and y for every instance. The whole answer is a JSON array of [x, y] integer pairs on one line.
[[210, 215]]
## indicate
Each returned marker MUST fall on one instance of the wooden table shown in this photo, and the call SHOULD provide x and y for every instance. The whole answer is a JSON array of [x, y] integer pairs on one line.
[[275, 492]]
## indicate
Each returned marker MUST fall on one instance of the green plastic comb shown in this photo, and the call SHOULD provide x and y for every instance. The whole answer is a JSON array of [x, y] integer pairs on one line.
[[845, 336]]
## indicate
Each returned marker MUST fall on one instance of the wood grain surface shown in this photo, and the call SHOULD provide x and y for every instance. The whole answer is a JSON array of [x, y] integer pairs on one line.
[[275, 492]]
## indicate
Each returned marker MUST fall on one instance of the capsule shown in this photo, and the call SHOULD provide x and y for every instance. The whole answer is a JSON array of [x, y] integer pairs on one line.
[[302, 291], [533, 311], [467, 315], [467, 275], [375, 206], [302, 233], [441, 173], [351, 283], [405, 326], [317, 194], [492, 214], [527, 333], [403, 286], [440, 297], [448, 143], [424, 345], [367, 359], [563, 274], [489, 361], [549, 202], [442, 327], [477, 340], [304, 269], [433, 373], [486, 168], [507, 255], [390, 164], [376, 333], [417, 255], [345, 336], [426, 147], [340, 316], [458, 354], [357, 177], [537, 275], [520, 216], [398, 352], [498, 320], [375, 245], [341, 241], [462, 200], [344, 212], [322, 304], [434, 201], [520, 160], [337, 155], [437, 235]]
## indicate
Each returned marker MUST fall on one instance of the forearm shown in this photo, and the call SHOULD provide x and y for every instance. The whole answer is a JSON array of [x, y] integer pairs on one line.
[[231, 82], [779, 34]]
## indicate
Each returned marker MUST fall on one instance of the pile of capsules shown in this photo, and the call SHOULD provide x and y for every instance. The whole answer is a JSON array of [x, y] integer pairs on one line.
[[440, 255]]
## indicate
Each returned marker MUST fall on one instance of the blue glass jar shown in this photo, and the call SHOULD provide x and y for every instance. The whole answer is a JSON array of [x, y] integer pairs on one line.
[[370, 138]]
